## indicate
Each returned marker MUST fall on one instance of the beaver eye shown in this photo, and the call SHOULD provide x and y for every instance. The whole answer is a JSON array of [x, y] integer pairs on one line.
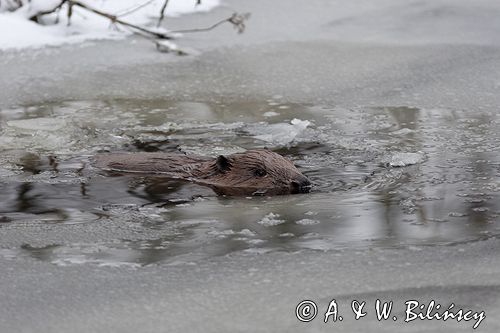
[[260, 172]]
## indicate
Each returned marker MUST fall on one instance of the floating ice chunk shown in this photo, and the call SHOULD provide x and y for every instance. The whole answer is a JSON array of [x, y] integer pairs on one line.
[[405, 159], [270, 114], [403, 131], [300, 123], [271, 219], [283, 134], [247, 232], [307, 222]]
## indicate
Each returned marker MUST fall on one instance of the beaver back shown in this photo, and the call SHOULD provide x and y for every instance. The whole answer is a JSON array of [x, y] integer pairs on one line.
[[254, 172]]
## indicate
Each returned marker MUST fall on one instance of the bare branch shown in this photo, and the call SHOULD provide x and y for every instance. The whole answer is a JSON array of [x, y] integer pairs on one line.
[[115, 19], [237, 20]]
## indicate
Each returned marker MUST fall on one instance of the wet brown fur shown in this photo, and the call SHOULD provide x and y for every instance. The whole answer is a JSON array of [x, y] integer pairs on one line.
[[254, 172]]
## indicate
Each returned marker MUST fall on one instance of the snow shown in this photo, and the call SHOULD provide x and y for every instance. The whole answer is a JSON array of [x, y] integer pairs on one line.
[[17, 32]]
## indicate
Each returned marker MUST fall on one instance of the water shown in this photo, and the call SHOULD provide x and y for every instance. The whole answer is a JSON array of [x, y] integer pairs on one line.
[[445, 193]]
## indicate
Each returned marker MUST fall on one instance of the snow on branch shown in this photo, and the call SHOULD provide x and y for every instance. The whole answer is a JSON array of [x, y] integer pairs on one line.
[[36, 10]]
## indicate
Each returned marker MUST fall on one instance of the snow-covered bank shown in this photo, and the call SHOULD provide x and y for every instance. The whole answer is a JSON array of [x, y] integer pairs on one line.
[[16, 31]]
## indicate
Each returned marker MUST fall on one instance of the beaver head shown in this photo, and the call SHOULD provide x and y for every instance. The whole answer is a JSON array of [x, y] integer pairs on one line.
[[254, 172]]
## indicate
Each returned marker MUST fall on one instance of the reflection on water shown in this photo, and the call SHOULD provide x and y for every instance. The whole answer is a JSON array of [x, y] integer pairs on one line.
[[46, 178]]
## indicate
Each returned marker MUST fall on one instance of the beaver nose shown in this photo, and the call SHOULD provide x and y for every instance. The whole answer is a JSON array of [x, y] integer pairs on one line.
[[300, 185]]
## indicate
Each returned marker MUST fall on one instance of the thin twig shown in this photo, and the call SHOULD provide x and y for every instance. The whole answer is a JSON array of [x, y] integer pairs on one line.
[[133, 9], [200, 29], [162, 13], [237, 20], [164, 7]]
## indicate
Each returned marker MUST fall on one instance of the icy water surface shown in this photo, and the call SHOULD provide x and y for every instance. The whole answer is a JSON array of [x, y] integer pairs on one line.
[[383, 177]]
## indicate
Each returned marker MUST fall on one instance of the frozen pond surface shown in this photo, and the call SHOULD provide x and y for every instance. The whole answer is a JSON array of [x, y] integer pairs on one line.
[[383, 177], [397, 125]]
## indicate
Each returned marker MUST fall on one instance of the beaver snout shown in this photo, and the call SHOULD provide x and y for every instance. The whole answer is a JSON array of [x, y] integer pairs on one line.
[[300, 185]]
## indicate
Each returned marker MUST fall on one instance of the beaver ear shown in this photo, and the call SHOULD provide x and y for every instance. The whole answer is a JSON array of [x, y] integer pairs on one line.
[[223, 163]]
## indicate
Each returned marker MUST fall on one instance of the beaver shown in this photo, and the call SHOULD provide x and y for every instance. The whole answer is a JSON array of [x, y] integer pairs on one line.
[[254, 172]]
